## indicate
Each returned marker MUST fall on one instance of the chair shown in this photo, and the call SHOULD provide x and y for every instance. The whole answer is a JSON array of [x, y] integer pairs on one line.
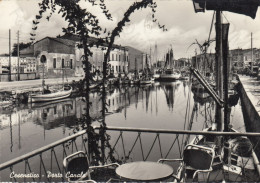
[[196, 158], [78, 168]]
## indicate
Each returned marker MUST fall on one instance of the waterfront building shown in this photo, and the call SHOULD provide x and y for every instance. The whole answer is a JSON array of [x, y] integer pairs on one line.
[[59, 53], [237, 58], [182, 62], [27, 68], [136, 59], [247, 57], [203, 62], [64, 58], [118, 58]]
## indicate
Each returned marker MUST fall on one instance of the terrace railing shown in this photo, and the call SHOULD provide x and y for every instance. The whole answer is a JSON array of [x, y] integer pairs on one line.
[[123, 145]]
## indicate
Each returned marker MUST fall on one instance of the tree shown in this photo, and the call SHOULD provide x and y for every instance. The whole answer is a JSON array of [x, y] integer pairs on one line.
[[21, 46], [83, 23]]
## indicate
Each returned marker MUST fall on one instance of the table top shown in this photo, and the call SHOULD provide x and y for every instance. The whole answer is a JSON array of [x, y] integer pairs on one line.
[[144, 170]]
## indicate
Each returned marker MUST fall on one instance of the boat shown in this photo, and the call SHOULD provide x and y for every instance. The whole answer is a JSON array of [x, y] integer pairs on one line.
[[45, 97], [184, 76], [157, 74], [48, 95], [145, 81], [135, 81], [227, 158], [170, 75], [236, 162]]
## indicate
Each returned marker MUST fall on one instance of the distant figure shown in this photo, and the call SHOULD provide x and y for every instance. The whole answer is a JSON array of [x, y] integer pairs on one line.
[[46, 91]]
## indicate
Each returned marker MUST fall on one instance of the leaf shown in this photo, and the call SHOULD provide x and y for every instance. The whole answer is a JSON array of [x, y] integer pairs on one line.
[[38, 17], [35, 22]]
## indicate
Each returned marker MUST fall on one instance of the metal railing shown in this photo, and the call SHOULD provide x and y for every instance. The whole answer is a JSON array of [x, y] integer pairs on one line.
[[48, 159], [121, 146]]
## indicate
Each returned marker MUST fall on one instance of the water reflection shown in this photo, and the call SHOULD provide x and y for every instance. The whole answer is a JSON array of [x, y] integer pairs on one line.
[[159, 105]]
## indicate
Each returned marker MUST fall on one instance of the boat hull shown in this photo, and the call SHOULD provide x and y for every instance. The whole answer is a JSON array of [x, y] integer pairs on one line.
[[51, 96], [145, 82], [166, 77]]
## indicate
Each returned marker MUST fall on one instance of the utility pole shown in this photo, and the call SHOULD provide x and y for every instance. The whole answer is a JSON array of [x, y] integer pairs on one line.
[[9, 78], [18, 56], [252, 63]]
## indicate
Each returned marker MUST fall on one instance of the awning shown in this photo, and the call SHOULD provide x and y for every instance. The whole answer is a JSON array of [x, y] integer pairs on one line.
[[245, 7]]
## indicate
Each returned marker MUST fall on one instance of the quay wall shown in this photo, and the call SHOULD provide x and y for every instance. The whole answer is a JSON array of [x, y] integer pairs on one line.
[[14, 77], [251, 116]]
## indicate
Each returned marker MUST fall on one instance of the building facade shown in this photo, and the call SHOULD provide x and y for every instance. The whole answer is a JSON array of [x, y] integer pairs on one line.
[[64, 58], [137, 59], [203, 62], [21, 69]]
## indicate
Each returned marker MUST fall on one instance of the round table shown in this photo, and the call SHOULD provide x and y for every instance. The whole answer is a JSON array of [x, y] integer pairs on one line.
[[144, 171]]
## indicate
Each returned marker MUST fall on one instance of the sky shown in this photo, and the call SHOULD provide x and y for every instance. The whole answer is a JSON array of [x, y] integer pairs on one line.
[[183, 24]]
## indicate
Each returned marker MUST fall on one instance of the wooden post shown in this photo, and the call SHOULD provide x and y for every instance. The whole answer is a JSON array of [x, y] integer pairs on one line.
[[219, 69], [225, 28]]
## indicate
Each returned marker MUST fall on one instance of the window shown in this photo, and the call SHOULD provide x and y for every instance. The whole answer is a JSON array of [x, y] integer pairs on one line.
[[119, 57], [127, 58], [54, 63], [67, 64], [116, 69], [116, 57], [119, 68], [62, 63], [71, 61], [112, 56]]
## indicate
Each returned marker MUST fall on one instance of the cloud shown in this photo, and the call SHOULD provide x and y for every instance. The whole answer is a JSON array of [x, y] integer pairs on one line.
[[184, 26], [10, 15]]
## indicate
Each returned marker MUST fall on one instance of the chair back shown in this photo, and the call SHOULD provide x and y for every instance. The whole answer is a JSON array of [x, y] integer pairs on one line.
[[197, 158], [77, 166]]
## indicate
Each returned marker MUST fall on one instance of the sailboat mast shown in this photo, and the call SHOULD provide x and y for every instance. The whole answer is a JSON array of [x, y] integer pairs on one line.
[[219, 70], [252, 52], [226, 67]]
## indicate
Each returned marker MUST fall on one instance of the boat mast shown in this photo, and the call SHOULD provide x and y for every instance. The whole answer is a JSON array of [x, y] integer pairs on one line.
[[252, 52], [226, 67], [155, 55], [219, 70], [135, 69]]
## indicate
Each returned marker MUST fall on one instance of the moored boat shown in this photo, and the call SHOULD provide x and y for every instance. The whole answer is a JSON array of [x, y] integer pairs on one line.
[[237, 161], [170, 75], [50, 96], [146, 81]]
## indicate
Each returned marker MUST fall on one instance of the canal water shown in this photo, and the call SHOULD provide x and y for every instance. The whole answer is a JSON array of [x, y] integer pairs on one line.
[[172, 105]]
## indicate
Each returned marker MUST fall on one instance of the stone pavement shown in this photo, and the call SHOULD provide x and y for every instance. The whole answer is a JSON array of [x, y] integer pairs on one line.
[[252, 88], [30, 84]]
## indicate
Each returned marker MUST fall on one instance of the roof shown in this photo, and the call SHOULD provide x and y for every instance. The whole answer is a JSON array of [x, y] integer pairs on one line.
[[134, 49], [93, 40]]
